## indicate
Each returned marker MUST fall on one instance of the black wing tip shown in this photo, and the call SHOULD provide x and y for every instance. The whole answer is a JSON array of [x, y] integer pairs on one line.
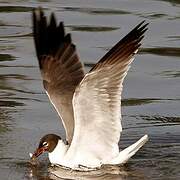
[[39, 15], [142, 24], [52, 20], [61, 24], [67, 38], [35, 9], [136, 33], [129, 44], [48, 36], [38, 11], [142, 27]]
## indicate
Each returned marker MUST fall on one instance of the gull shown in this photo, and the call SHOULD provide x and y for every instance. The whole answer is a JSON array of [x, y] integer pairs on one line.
[[89, 105]]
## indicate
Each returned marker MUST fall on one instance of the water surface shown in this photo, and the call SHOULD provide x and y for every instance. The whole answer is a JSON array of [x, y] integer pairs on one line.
[[151, 96]]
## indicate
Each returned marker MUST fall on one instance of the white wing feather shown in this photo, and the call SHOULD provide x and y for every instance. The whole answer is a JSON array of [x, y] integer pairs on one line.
[[97, 105]]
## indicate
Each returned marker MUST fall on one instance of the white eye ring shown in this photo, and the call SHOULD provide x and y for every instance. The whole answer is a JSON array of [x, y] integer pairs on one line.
[[45, 143]]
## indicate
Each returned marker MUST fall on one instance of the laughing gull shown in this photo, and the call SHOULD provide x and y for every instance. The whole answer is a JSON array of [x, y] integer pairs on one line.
[[89, 105]]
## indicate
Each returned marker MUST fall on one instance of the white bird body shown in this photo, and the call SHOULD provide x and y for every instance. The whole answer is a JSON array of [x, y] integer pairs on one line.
[[59, 156], [88, 104]]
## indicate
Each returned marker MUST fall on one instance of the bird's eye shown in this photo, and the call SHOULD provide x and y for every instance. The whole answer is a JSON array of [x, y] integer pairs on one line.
[[45, 144]]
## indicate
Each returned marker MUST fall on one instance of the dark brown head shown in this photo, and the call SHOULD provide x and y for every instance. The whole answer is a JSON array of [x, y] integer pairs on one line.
[[47, 143]]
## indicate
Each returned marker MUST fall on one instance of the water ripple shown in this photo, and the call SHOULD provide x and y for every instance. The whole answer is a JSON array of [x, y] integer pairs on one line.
[[161, 51], [92, 28], [161, 120], [173, 2], [13, 31], [152, 15], [143, 101], [169, 74], [6, 57], [10, 103], [96, 11], [11, 9]]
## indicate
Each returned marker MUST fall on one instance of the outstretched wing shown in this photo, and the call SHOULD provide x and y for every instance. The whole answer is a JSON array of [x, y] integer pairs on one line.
[[97, 103], [60, 67]]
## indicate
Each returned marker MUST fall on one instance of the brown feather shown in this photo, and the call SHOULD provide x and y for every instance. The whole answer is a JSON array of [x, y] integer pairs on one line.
[[59, 64]]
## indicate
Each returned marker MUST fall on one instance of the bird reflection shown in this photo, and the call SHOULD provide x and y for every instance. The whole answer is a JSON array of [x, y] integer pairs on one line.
[[108, 172]]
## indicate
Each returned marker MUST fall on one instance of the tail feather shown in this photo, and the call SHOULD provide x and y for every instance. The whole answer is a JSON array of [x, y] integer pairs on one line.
[[127, 153]]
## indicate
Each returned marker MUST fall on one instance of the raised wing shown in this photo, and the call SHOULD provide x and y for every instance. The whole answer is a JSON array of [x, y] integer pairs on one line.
[[97, 103], [60, 67]]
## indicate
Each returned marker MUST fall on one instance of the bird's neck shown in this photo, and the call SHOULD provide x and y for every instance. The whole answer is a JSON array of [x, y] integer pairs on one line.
[[57, 155]]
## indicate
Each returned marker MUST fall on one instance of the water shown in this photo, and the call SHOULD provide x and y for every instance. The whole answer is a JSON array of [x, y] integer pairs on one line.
[[151, 96]]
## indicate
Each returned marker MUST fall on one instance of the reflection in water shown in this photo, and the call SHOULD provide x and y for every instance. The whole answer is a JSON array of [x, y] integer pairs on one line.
[[18, 35], [107, 172], [4, 122], [169, 74], [4, 85], [10, 104], [5, 46], [163, 120], [155, 121], [96, 11], [6, 57], [174, 38], [152, 15], [38, 171], [138, 102], [17, 66], [7, 108], [12, 31], [43, 171], [9, 9], [14, 76], [173, 2], [92, 28], [162, 51]]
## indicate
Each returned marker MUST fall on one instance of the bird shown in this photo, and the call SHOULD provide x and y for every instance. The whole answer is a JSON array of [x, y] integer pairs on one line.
[[89, 104]]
